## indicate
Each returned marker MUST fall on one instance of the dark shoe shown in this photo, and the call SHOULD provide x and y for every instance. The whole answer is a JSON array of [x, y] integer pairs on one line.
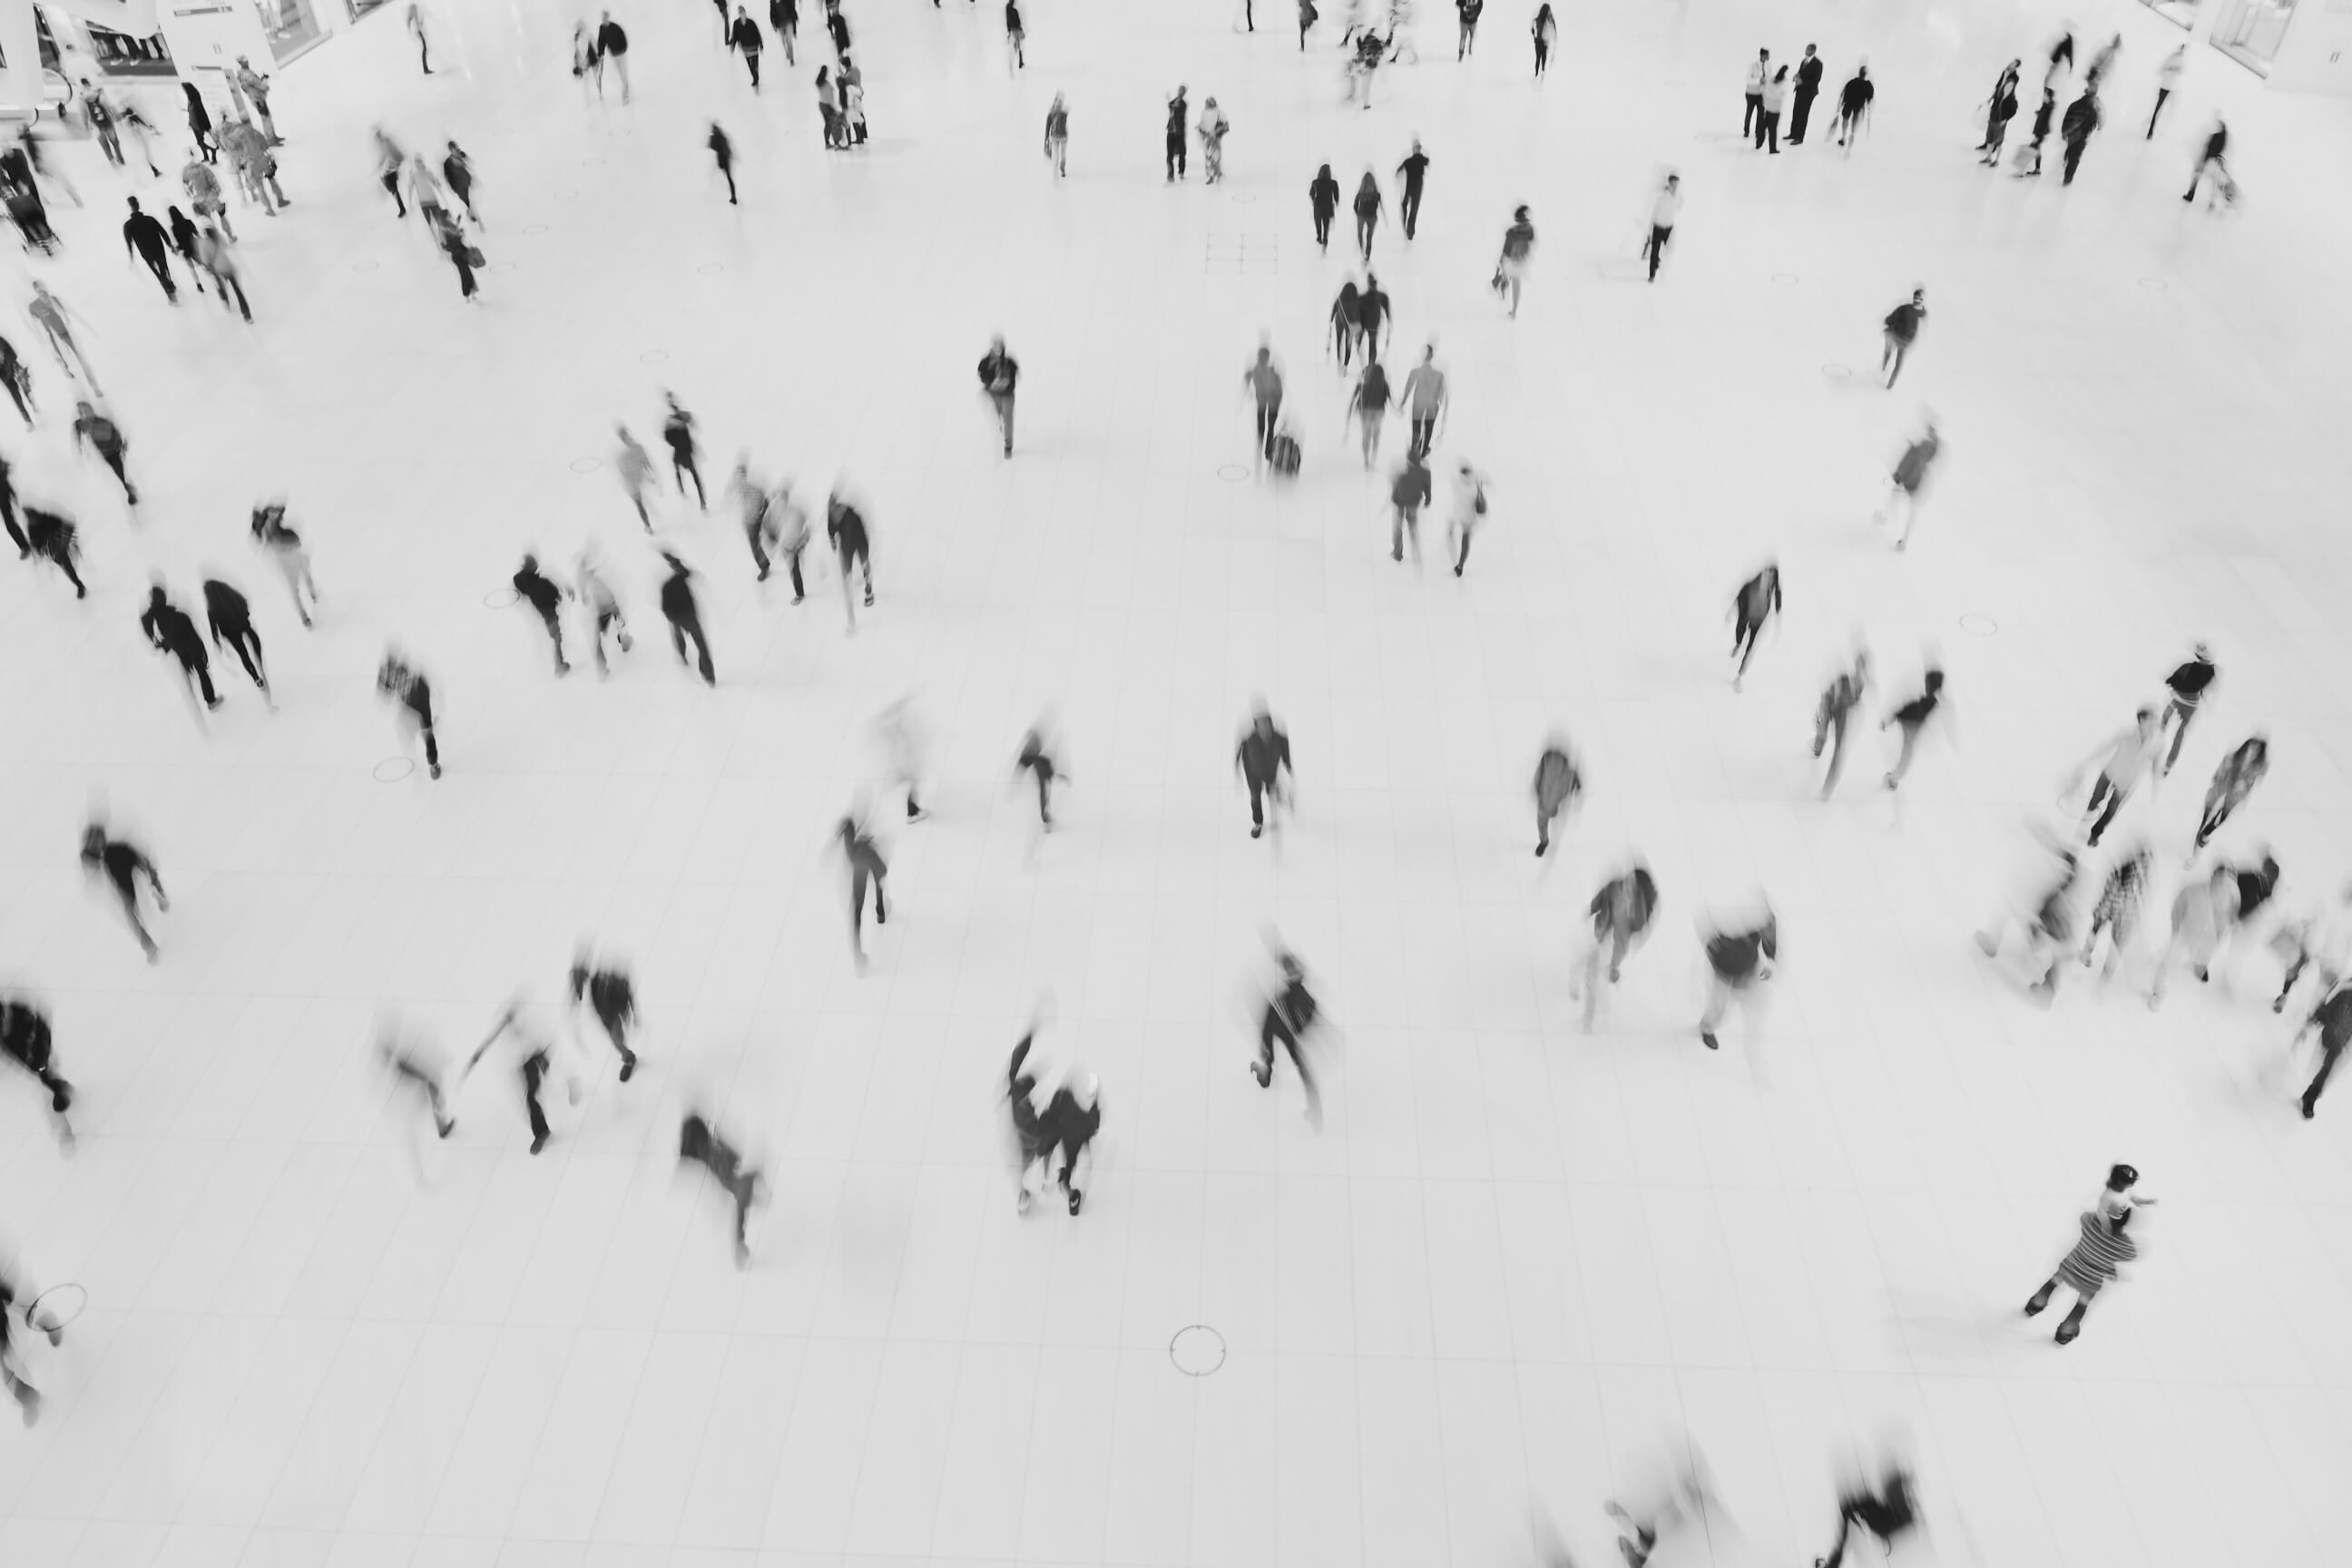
[[1264, 1076], [2067, 1330], [628, 1068], [434, 771], [538, 1144], [1540, 851], [1712, 1043], [1075, 1196], [1255, 831], [2036, 1302], [2307, 1111], [442, 1129]]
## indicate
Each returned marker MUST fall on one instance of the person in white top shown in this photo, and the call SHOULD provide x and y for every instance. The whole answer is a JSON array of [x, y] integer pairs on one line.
[[1662, 213], [2122, 759], [1469, 512], [2167, 82], [1758, 70]]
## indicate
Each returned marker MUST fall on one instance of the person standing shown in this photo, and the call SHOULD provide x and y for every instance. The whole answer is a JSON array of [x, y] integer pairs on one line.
[[1776, 101], [743, 38], [1177, 110], [1838, 702], [169, 630], [1757, 602], [417, 30], [678, 434], [698, 1144], [1558, 786], [611, 996], [2082, 118], [1511, 266], [255, 89], [1036, 757], [1760, 72], [685, 618], [12, 1371], [1368, 213], [546, 600], [1736, 960], [52, 538], [1323, 201], [143, 236], [604, 610], [229, 618], [1621, 913], [866, 866], [1424, 397], [2188, 685], [1469, 512], [57, 321], [2096, 1258], [200, 122], [1469, 11], [25, 1040], [1369, 405], [1262, 759], [2333, 1019], [635, 469], [457, 173], [2217, 143], [1412, 170], [1664, 211], [1996, 116], [1808, 88], [1912, 719], [1408, 493], [845, 529], [122, 864], [2167, 82], [407, 686], [1291, 1012], [1263, 382], [1058, 137], [1546, 33], [103, 436], [2233, 780], [2322, 938], [1853, 104], [612, 48], [998, 374]]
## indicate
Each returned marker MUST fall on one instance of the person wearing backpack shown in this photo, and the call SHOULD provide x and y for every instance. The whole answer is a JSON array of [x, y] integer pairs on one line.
[[998, 374], [1469, 10], [1736, 959]]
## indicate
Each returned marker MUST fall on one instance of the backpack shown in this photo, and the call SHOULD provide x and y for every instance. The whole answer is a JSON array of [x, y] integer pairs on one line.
[[1286, 454]]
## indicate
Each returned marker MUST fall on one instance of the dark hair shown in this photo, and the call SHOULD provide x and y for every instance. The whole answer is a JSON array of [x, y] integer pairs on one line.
[[2121, 1176]]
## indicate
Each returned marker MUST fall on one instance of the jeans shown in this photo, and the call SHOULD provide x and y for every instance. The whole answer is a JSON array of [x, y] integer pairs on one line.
[[1272, 1028], [1656, 249], [1891, 362], [246, 643], [2107, 790], [1424, 432], [1754, 112], [1768, 128], [683, 628], [1410, 209], [1269, 419], [1322, 227], [1175, 155], [1003, 402], [1404, 524]]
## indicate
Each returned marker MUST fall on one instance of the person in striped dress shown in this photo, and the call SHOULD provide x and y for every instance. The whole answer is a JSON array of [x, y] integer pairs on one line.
[[2096, 1258], [2117, 911]]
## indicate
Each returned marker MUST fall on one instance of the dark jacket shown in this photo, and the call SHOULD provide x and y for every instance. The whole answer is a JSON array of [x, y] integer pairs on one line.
[[169, 628], [226, 611], [1411, 492], [1263, 757], [610, 40], [1323, 195], [537, 592], [999, 373], [2082, 118], [845, 529], [1809, 76], [1736, 956], [142, 232], [745, 35]]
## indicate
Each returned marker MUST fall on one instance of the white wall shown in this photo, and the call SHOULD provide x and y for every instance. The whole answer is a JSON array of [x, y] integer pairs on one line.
[[2315, 55]]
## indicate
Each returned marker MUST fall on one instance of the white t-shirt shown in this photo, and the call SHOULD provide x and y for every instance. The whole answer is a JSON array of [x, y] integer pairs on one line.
[[1665, 210]]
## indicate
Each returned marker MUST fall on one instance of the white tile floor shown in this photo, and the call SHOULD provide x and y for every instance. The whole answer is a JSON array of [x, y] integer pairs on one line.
[[1520, 1253]]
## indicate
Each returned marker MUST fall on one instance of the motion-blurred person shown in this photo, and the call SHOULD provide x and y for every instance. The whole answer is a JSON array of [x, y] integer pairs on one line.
[[1372, 312], [413, 694], [1902, 329], [2097, 1257], [752, 504], [142, 136], [57, 321], [722, 154], [1888, 1511], [2116, 912], [2044, 916], [845, 528], [2000, 110], [1853, 104], [17, 377], [613, 49], [1413, 171], [1469, 10], [1664, 210], [2204, 912], [604, 610], [1673, 1488], [1367, 205], [464, 258], [52, 537], [1557, 787], [184, 240], [1263, 384], [169, 630], [1511, 266], [254, 87], [1058, 137], [1369, 406], [1424, 397], [1263, 758], [2043, 116], [2333, 1019], [2076, 128], [423, 189], [1071, 1122], [611, 996], [229, 618], [1912, 719], [8, 511], [1756, 603], [122, 864], [457, 173], [25, 1040], [684, 614], [1740, 957], [999, 373], [699, 1144], [1621, 913], [11, 1369], [1211, 128], [2233, 781], [866, 866], [2121, 760], [1290, 1014], [678, 434], [2167, 82], [744, 39], [1408, 493], [1036, 757], [219, 262], [2190, 682], [1546, 29], [789, 522], [1909, 481], [98, 434], [545, 600], [1174, 143], [144, 237], [1323, 201], [1839, 699], [1469, 513], [284, 548], [2321, 939], [1347, 324], [535, 1061], [391, 160], [635, 469]]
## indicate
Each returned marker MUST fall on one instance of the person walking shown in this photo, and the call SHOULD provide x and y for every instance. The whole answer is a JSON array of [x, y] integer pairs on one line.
[[1368, 213], [220, 263], [2082, 118], [723, 152], [998, 374], [788, 523], [2321, 939], [169, 630], [2217, 143], [1036, 757], [1323, 201], [2204, 914], [1546, 33], [2333, 1019], [1408, 493], [1469, 512], [604, 610], [699, 1144], [457, 173], [1291, 1012], [1738, 958], [1469, 11], [1557, 787], [2190, 682], [12, 1370], [1263, 758], [1839, 699], [1177, 110], [100, 115], [98, 434], [1910, 480], [17, 377], [451, 240], [1808, 88], [1621, 913], [200, 122], [424, 44], [1853, 104], [535, 1051], [57, 321], [2122, 759], [229, 618], [1664, 211], [2096, 1258], [391, 163], [613, 49], [2233, 780], [144, 237], [2167, 82], [545, 599], [2043, 118], [2061, 54], [1757, 602], [1511, 266], [1071, 1122], [743, 37], [1996, 116], [1912, 718], [753, 511], [1372, 312], [1263, 382], [866, 866], [685, 618], [1369, 407], [27, 1040], [1889, 1513], [1424, 398], [845, 529], [122, 864], [1902, 329], [1412, 170], [635, 469], [51, 536], [2045, 915], [1751, 119], [1058, 137], [784, 21], [678, 434], [1015, 36], [2117, 911], [1776, 102], [902, 740], [395, 677], [612, 998]]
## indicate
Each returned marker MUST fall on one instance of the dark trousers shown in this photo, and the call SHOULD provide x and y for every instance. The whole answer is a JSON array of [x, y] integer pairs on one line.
[[1799, 116], [1767, 129], [1867, 1511], [535, 1074], [1269, 419], [1754, 112], [741, 1186], [1891, 362], [1744, 634], [682, 627], [16, 391], [1410, 209], [1271, 1029], [1261, 791], [727, 172], [2161, 94], [198, 672], [226, 284], [751, 532], [608, 618], [1424, 431], [793, 568], [1543, 55], [1461, 558], [126, 893], [1830, 731], [1044, 793], [2210, 823], [423, 717], [682, 468], [62, 559], [616, 1029], [1322, 227], [16, 533], [752, 63], [2105, 790], [246, 643], [554, 625], [1656, 249], [389, 180], [112, 458], [1175, 156], [159, 262], [2181, 715], [856, 555], [2073, 157], [2327, 1068], [859, 877], [1365, 225]]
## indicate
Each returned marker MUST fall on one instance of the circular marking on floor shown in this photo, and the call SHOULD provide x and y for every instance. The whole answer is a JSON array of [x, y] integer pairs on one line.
[[707, 268], [391, 770], [1836, 372], [2154, 285], [535, 228], [1976, 624], [1784, 278], [500, 598], [1197, 1351], [586, 465], [652, 356], [1233, 473], [365, 265]]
